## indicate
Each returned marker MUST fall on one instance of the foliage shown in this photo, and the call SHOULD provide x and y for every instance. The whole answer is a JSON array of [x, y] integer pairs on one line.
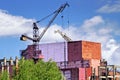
[[4, 75], [28, 70], [25, 70]]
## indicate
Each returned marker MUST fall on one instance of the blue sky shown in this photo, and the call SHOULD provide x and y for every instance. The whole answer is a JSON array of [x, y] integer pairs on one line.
[[92, 20]]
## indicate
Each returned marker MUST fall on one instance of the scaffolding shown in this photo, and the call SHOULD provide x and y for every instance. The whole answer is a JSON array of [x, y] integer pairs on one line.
[[109, 72]]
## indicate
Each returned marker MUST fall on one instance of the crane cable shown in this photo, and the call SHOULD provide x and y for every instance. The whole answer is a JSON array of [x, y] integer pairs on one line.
[[52, 13], [45, 17]]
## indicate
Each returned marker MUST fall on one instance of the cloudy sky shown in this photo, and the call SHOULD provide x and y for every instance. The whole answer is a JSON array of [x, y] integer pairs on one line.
[[90, 20]]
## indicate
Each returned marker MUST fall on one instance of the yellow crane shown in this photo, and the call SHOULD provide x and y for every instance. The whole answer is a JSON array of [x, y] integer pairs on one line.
[[63, 35]]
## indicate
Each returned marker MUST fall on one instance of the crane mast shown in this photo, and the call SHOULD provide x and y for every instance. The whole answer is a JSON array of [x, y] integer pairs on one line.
[[36, 37]]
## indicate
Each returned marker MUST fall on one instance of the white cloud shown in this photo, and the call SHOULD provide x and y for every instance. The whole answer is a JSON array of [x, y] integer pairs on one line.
[[13, 25], [50, 35], [93, 22], [104, 31], [110, 48], [110, 8], [115, 57]]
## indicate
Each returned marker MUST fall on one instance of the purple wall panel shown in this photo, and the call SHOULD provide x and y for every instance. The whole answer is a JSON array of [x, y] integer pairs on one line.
[[54, 51]]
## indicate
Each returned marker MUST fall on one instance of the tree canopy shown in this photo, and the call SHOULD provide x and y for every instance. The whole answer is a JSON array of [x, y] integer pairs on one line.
[[28, 70]]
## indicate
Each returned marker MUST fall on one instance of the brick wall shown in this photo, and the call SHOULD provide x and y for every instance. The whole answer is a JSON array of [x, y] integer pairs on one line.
[[78, 50]]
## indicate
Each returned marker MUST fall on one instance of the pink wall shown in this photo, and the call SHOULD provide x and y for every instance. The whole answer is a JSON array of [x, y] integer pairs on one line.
[[54, 51], [94, 64], [82, 73]]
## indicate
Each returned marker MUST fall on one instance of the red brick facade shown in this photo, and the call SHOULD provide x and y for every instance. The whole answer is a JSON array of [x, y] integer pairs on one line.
[[86, 50]]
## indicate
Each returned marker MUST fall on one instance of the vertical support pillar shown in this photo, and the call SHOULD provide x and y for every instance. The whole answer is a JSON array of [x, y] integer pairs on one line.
[[113, 72], [16, 61], [11, 64], [106, 72], [4, 64], [98, 72], [2, 67], [94, 73], [7, 68], [65, 62], [93, 77], [11, 61], [4, 61], [16, 65]]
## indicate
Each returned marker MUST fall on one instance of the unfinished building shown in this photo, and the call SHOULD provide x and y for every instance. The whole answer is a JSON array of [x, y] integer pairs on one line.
[[78, 60]]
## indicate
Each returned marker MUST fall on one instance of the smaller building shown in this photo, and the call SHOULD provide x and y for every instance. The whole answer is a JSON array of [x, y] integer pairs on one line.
[[108, 72], [8, 65]]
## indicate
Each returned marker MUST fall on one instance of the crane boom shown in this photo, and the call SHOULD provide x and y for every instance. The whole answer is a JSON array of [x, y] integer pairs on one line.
[[36, 38], [56, 13], [64, 35]]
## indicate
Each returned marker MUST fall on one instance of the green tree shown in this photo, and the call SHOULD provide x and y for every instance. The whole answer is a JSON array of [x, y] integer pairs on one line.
[[4, 75], [28, 70], [25, 70]]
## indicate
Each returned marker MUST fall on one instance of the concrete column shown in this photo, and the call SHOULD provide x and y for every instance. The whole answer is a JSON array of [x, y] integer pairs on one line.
[[16, 61], [11, 61], [16, 65], [8, 68], [4, 61], [2, 68]]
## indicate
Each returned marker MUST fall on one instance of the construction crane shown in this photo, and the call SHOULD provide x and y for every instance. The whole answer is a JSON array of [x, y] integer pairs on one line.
[[64, 35], [36, 37]]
